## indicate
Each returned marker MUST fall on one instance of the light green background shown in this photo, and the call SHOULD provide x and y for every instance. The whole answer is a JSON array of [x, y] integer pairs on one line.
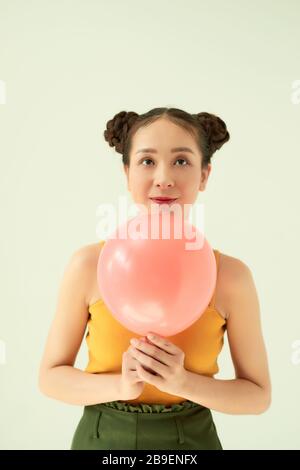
[[69, 66]]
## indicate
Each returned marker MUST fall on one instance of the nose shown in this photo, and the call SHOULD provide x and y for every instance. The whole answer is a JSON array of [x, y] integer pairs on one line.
[[163, 178]]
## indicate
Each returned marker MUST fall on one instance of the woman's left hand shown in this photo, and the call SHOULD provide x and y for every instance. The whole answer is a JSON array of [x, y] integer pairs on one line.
[[164, 358]]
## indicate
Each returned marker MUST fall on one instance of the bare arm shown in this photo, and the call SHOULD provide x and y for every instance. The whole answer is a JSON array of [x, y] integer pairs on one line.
[[58, 378], [250, 391], [76, 387]]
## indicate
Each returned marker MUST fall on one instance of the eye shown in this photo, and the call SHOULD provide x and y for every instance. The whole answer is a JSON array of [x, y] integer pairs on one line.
[[183, 160], [178, 159], [146, 160]]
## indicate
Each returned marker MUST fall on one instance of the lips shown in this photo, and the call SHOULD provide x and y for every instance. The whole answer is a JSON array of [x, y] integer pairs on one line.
[[161, 200], [164, 198]]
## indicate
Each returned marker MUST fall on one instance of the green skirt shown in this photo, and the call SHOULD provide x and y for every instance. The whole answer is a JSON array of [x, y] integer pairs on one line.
[[118, 425]]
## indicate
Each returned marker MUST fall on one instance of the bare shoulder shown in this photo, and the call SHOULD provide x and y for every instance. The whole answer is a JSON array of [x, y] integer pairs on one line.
[[234, 277], [87, 257], [84, 261], [232, 269]]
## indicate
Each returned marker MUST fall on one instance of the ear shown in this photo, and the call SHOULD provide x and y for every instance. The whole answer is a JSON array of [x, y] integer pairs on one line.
[[204, 177]]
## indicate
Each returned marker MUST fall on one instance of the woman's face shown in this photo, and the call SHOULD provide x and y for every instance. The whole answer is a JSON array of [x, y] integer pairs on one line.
[[175, 174]]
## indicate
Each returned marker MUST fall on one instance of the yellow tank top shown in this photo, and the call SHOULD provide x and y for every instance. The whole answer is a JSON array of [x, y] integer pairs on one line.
[[201, 342]]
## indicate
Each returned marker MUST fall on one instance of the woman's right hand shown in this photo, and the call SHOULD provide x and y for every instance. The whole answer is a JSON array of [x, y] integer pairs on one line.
[[131, 385]]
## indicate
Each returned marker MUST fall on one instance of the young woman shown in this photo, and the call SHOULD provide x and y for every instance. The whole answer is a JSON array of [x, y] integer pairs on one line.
[[157, 394]]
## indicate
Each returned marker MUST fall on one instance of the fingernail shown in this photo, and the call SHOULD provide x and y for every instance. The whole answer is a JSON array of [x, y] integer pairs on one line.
[[134, 341]]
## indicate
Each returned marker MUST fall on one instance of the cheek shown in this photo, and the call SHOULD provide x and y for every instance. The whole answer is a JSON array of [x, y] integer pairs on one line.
[[191, 184], [139, 177], [137, 182]]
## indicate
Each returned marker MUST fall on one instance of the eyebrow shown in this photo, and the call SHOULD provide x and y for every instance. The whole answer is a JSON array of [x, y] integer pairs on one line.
[[176, 149]]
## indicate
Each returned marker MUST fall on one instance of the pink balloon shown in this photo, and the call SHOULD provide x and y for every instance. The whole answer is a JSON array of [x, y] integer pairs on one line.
[[156, 285]]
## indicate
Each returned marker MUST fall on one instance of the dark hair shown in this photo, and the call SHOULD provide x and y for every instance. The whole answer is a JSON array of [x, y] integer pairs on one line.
[[208, 129]]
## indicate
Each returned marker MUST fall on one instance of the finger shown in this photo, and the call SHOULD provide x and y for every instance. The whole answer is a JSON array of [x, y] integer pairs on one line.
[[149, 370], [150, 362], [129, 366], [128, 362], [153, 351], [135, 376], [155, 380], [163, 343], [135, 361]]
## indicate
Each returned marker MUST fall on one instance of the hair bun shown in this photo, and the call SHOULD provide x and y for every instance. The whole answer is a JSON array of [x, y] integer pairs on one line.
[[117, 129], [215, 129]]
